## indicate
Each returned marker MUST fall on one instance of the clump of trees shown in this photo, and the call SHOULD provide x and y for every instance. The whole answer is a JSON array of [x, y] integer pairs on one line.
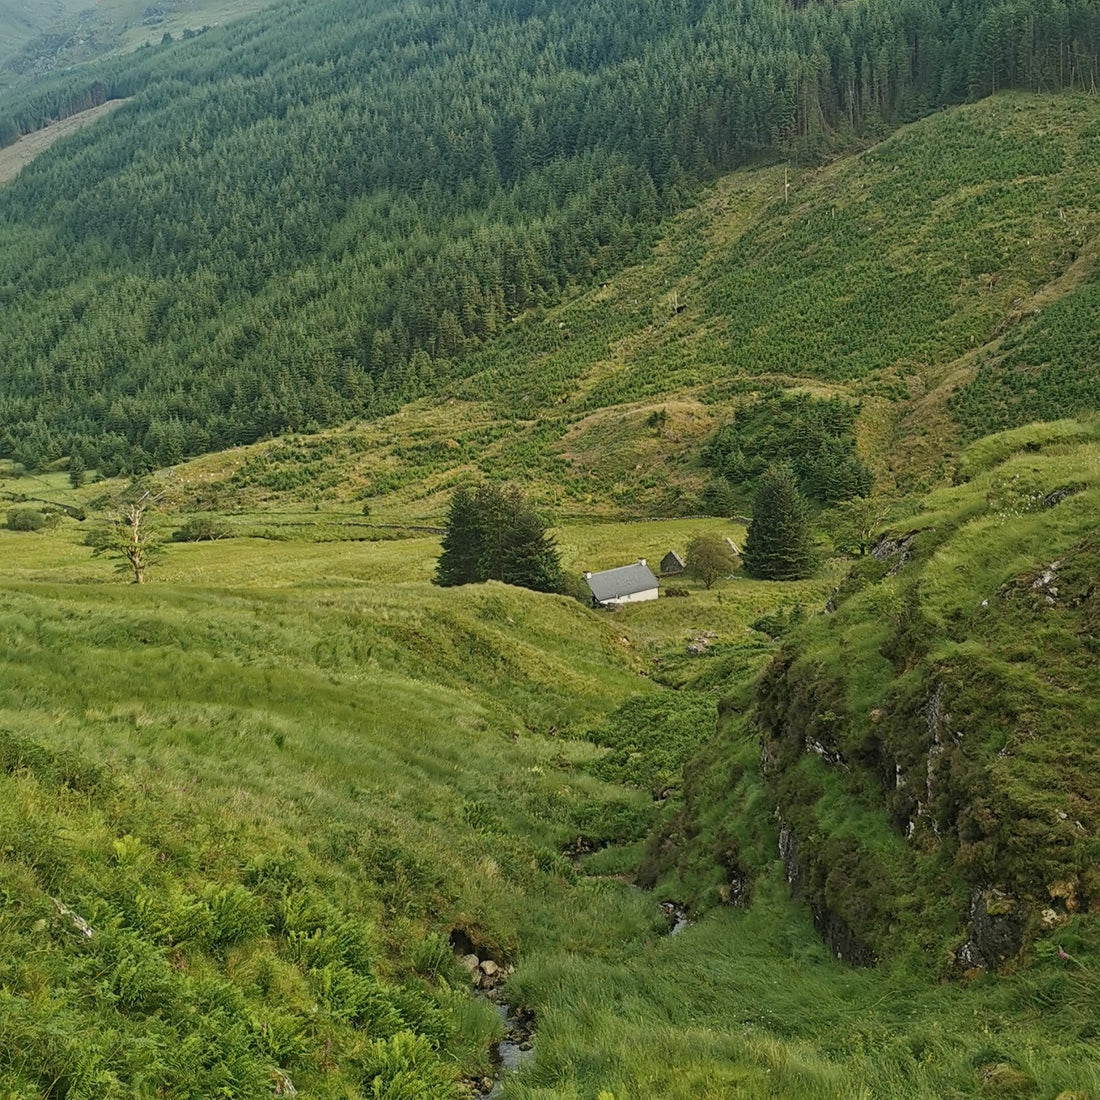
[[31, 519], [779, 545], [813, 436], [494, 533]]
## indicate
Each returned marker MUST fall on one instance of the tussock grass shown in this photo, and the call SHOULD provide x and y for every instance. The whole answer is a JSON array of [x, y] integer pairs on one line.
[[274, 778]]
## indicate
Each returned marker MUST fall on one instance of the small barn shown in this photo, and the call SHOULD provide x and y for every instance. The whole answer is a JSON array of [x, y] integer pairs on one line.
[[627, 584], [672, 564]]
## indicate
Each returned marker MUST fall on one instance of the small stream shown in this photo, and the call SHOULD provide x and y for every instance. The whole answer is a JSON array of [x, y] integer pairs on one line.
[[516, 1049]]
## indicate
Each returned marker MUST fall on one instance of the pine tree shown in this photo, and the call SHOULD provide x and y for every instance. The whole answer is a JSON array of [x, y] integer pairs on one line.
[[77, 470], [493, 533], [779, 546], [460, 561]]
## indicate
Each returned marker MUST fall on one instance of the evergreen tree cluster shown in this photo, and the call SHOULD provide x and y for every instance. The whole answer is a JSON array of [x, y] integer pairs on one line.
[[813, 436], [779, 544], [493, 533], [313, 213]]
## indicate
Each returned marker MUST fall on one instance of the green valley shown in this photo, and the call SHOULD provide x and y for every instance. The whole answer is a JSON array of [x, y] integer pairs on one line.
[[275, 779], [291, 817]]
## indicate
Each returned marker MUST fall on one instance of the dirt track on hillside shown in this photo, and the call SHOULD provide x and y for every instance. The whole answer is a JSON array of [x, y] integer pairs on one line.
[[15, 157]]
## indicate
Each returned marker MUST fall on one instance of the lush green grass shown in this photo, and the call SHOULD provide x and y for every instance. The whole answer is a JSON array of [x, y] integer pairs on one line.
[[176, 753], [751, 1004], [930, 741], [274, 778]]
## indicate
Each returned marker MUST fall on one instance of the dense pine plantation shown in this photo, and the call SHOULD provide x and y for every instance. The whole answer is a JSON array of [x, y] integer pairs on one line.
[[317, 212], [647, 394]]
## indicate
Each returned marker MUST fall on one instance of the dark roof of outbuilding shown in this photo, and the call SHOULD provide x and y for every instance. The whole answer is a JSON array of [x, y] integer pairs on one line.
[[613, 584]]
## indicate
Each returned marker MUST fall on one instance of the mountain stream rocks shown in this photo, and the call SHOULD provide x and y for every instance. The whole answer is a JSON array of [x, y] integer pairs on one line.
[[516, 1047]]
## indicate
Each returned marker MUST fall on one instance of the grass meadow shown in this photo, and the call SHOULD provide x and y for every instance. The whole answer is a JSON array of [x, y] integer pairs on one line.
[[275, 778], [244, 806]]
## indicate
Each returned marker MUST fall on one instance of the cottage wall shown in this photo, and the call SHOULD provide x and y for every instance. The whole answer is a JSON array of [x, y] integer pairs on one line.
[[637, 597]]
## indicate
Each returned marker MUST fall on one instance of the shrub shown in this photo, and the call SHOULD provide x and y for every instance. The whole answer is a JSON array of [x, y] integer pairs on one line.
[[31, 519], [573, 584], [202, 529], [236, 914], [709, 557]]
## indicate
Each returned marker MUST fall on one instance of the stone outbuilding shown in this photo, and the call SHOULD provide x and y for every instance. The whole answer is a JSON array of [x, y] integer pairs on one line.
[[672, 564]]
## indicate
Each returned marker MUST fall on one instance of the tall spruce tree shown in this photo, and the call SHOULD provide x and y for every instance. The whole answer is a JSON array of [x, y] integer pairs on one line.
[[779, 546], [493, 533], [459, 563]]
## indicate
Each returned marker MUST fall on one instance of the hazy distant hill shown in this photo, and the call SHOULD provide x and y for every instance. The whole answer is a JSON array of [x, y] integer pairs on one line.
[[44, 37]]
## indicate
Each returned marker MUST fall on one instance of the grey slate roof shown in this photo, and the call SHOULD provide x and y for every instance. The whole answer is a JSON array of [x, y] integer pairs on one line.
[[613, 584]]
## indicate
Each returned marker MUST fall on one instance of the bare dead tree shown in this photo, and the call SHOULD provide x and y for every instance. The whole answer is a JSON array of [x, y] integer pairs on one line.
[[131, 534]]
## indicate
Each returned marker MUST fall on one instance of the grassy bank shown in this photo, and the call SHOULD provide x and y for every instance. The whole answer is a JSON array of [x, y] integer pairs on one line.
[[275, 779]]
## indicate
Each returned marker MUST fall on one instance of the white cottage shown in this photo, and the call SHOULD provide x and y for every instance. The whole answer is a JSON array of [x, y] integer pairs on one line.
[[627, 584]]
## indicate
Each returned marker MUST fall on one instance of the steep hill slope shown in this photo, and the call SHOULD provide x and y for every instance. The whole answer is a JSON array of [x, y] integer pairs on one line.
[[929, 746], [319, 211], [889, 279]]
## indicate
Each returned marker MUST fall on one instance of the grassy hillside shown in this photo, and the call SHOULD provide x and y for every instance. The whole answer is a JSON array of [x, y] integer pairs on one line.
[[894, 280], [928, 746], [245, 788], [246, 807], [274, 780]]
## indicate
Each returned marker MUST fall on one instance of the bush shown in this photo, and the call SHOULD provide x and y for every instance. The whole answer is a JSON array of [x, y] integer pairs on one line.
[[202, 529], [573, 584], [31, 519]]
